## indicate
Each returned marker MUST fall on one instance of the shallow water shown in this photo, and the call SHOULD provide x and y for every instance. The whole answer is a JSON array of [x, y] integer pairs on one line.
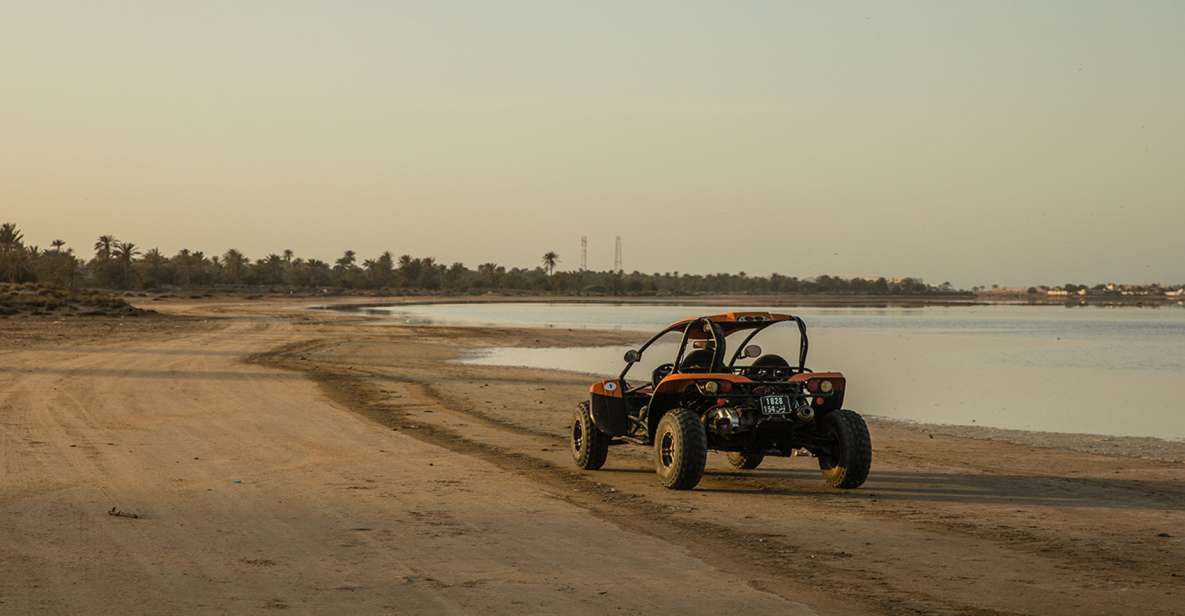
[[1117, 371]]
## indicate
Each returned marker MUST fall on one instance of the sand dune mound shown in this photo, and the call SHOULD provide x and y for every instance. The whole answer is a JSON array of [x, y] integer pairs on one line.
[[39, 300]]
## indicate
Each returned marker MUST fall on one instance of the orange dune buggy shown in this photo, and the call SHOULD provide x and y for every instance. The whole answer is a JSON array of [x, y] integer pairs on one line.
[[704, 400]]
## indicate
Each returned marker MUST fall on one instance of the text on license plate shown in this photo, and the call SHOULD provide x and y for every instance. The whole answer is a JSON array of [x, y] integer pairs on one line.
[[775, 405]]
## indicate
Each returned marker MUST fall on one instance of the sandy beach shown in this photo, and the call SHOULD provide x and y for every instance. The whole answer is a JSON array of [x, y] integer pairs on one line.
[[327, 462]]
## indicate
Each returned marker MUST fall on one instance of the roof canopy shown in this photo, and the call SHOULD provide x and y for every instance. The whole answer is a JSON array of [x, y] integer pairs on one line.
[[730, 322]]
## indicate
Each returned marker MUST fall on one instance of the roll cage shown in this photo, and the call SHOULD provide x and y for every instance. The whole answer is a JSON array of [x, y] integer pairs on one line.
[[716, 328]]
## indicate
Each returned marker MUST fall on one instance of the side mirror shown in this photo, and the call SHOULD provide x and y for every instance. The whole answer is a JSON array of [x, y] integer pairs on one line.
[[752, 351], [632, 356]]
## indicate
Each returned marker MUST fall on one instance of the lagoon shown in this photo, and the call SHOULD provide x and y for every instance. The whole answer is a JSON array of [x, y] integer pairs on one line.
[[1100, 370]]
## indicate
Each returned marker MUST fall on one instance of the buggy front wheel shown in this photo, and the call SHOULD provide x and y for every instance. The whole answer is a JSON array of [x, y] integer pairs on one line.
[[590, 446]]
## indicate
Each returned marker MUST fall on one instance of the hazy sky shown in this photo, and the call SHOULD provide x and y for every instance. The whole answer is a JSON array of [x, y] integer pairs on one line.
[[980, 142]]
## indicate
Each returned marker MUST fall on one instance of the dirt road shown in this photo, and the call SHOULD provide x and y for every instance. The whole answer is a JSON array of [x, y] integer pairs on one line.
[[255, 491], [331, 464]]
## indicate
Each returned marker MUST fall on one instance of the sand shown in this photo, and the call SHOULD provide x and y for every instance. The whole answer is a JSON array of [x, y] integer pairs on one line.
[[334, 463]]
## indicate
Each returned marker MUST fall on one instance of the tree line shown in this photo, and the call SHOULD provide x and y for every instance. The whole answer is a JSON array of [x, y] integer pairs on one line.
[[124, 265]]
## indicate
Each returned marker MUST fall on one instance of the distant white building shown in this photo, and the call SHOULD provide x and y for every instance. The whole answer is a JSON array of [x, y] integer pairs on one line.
[[1057, 293]]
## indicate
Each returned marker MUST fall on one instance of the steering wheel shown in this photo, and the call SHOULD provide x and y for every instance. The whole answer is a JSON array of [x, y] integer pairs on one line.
[[661, 372]]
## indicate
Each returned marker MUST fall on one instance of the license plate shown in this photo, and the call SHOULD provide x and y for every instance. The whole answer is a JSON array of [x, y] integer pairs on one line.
[[775, 405]]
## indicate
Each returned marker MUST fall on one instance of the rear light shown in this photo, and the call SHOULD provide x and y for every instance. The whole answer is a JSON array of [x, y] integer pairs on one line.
[[826, 387], [711, 388], [812, 386], [818, 402]]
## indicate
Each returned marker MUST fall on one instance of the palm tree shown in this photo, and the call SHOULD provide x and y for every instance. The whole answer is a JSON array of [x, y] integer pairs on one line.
[[387, 264], [183, 266], [409, 270], [154, 262], [489, 273], [317, 273], [550, 259], [234, 262], [10, 236], [274, 268], [200, 274], [381, 270], [346, 262], [12, 251], [57, 245], [104, 247], [154, 257], [429, 276], [373, 271], [11, 239], [126, 252], [455, 277]]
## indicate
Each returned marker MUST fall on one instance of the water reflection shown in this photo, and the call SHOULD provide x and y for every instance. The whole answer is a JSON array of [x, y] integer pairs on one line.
[[1107, 371]]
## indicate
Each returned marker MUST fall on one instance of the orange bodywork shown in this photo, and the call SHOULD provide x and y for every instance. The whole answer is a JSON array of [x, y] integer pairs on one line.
[[679, 382], [609, 388], [806, 376]]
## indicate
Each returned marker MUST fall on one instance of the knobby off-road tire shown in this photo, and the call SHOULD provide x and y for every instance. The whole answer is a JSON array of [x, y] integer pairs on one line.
[[590, 446], [746, 460], [680, 449], [847, 465]]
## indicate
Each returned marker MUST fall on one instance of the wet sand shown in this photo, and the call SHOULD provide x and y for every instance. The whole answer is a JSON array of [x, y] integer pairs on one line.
[[320, 461]]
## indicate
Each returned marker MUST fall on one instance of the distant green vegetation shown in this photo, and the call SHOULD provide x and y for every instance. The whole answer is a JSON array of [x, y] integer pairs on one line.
[[39, 300], [124, 265]]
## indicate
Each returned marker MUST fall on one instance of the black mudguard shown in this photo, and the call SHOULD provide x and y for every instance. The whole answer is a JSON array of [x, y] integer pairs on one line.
[[609, 415]]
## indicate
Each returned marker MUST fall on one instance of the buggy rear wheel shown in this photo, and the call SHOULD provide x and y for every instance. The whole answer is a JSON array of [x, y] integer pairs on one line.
[[846, 462], [590, 446], [680, 449], [746, 460]]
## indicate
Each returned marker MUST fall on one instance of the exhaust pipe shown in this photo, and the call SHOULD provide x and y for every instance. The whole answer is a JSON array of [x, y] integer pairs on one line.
[[804, 414], [723, 421]]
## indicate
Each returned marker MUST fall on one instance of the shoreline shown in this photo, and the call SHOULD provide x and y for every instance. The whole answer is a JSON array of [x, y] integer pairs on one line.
[[808, 301], [1139, 447]]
